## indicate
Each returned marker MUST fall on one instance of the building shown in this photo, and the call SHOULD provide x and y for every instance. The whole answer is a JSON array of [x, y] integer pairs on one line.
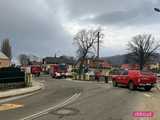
[[130, 66], [96, 63], [154, 66], [4, 60], [59, 60], [49, 61]]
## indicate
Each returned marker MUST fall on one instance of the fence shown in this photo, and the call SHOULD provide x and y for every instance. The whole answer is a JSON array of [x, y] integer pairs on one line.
[[12, 78]]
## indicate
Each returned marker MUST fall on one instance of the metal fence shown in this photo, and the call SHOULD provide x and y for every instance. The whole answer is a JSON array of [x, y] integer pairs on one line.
[[12, 78]]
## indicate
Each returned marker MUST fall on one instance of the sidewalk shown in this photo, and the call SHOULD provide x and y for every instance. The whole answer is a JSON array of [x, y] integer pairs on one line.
[[21, 91]]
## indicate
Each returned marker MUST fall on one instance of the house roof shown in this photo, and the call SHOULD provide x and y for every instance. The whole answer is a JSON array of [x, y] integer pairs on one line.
[[58, 60], [105, 65], [3, 56]]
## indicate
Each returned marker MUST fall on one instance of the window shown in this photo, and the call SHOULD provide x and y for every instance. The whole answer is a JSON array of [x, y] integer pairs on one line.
[[125, 72]]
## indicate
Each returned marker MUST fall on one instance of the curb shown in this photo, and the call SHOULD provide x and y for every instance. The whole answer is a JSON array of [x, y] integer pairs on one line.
[[21, 91]]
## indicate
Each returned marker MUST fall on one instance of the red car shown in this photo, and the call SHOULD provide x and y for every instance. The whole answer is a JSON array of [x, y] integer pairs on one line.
[[134, 79]]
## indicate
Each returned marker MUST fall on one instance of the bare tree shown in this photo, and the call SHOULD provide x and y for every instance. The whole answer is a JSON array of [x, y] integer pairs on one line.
[[142, 48], [6, 48], [23, 59], [86, 41]]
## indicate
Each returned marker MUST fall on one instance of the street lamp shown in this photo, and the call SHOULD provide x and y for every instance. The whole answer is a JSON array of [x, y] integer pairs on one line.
[[157, 9]]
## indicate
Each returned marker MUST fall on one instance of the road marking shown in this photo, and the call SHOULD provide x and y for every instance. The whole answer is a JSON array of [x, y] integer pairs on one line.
[[4, 107], [85, 81], [147, 95], [43, 112], [105, 86], [79, 81]]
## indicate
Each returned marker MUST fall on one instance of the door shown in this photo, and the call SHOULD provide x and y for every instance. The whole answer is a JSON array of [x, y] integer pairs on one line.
[[124, 77]]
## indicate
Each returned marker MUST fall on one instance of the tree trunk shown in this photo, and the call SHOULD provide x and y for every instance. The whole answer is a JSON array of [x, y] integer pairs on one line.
[[141, 67], [141, 60], [142, 63]]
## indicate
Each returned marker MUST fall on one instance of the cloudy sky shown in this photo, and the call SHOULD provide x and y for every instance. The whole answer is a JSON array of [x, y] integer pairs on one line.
[[46, 27]]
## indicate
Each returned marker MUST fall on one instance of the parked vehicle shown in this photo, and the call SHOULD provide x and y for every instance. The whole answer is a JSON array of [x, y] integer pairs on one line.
[[58, 71], [91, 74], [134, 79], [102, 75], [36, 70], [98, 75]]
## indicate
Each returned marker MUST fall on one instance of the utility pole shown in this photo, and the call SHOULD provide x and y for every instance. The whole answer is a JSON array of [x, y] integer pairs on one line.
[[98, 36]]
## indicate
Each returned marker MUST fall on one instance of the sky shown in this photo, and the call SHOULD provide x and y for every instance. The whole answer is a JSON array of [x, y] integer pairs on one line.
[[46, 27]]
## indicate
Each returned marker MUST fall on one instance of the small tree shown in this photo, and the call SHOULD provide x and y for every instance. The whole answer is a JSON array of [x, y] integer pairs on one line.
[[23, 59], [86, 41], [142, 48], [6, 48]]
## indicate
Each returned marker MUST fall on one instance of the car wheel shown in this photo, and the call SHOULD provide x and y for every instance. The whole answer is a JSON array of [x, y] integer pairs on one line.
[[53, 76], [147, 88], [114, 83], [131, 85], [38, 74]]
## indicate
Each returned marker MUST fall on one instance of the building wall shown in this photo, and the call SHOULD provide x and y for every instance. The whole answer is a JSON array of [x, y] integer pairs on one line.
[[93, 63], [4, 63]]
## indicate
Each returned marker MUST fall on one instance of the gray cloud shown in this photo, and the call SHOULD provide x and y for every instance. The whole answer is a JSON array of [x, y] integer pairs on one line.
[[139, 16], [32, 27], [111, 12], [79, 8], [35, 26]]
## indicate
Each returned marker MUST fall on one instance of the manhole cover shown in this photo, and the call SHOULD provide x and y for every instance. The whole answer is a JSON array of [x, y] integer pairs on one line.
[[65, 111]]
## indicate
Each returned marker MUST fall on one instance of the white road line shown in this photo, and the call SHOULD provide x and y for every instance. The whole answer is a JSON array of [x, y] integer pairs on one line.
[[84, 81], [147, 95], [105, 86], [78, 81], [69, 100]]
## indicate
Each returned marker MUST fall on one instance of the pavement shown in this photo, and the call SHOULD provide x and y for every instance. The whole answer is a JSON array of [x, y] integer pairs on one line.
[[21, 91], [69, 100]]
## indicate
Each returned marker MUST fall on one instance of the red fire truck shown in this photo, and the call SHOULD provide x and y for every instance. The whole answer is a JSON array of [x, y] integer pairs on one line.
[[58, 71]]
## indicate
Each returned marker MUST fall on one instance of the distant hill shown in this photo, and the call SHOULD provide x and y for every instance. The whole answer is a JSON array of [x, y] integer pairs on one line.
[[122, 59], [116, 60]]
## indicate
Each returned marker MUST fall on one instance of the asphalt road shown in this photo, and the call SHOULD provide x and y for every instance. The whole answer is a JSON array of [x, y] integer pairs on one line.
[[96, 101]]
